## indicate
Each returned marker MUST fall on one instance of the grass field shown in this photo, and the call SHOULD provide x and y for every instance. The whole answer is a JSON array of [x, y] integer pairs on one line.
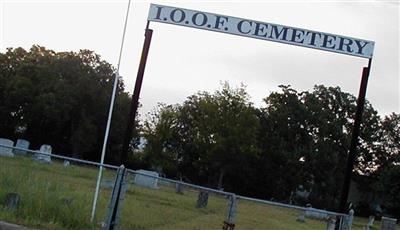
[[58, 197]]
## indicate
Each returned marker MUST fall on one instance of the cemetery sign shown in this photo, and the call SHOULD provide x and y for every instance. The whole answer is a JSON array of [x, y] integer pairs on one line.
[[262, 30]]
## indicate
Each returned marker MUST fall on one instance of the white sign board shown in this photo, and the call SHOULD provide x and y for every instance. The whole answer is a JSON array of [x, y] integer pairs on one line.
[[261, 30]]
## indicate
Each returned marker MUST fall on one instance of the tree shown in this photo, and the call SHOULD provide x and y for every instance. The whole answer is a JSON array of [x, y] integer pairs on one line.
[[61, 99], [305, 138], [210, 137], [387, 163], [285, 142], [161, 138]]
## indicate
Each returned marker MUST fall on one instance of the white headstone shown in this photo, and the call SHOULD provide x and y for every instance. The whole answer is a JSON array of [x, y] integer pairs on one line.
[[23, 144], [316, 214], [4, 151], [44, 158], [388, 223], [66, 163], [146, 181]]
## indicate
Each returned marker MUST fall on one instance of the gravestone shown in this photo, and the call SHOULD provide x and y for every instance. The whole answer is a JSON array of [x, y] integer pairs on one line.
[[44, 158], [146, 181], [23, 144], [67, 201], [316, 214], [4, 151], [202, 199], [107, 184], [179, 188], [388, 223], [301, 217], [12, 201], [66, 163]]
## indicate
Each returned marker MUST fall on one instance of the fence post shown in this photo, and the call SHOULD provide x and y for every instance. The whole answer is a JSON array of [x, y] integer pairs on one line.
[[331, 224], [350, 219], [117, 197], [229, 223]]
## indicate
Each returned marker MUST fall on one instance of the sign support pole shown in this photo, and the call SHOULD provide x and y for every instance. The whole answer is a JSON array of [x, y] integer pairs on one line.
[[136, 93], [103, 151], [354, 138]]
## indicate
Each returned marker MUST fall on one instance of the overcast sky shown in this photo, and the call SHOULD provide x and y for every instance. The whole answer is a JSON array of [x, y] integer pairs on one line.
[[183, 60]]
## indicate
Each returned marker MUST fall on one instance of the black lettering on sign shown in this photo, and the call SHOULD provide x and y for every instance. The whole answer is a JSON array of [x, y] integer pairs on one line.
[[328, 40], [313, 36], [260, 28], [158, 16], [297, 36], [202, 21], [220, 21], [240, 24], [360, 46], [177, 20], [275, 31], [345, 42]]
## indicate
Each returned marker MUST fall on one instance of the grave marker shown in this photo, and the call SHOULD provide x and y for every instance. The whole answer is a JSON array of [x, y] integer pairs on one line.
[[44, 158], [23, 144], [388, 223], [5, 151], [202, 199], [146, 181]]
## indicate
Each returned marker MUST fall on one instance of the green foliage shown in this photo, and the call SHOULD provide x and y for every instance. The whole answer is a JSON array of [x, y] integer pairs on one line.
[[209, 138], [298, 138], [310, 135], [62, 99]]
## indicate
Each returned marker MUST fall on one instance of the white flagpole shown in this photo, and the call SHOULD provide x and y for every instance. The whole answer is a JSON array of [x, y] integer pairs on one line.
[[103, 151]]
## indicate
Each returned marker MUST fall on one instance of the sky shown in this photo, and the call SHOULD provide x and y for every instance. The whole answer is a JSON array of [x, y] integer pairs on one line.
[[183, 61]]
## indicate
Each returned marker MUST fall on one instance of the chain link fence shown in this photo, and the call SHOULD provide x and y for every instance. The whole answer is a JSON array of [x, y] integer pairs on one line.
[[56, 192]]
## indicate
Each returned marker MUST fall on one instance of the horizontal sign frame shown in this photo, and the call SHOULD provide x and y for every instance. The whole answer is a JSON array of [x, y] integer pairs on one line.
[[262, 30]]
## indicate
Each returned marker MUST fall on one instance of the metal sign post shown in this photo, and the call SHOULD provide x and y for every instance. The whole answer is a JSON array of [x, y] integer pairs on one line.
[[135, 97], [354, 138]]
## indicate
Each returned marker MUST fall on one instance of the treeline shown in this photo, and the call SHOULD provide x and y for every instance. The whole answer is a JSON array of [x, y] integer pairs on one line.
[[296, 138], [61, 99], [218, 139]]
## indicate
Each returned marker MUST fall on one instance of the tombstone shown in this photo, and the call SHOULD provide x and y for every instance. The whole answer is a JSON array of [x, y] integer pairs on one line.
[[12, 201], [146, 181], [316, 214], [179, 188], [44, 158], [107, 184], [4, 151], [331, 224], [301, 217], [23, 144], [202, 199], [66, 163], [67, 201], [388, 223]]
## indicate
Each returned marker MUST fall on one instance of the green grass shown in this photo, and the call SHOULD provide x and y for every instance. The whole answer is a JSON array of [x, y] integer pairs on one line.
[[44, 189]]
